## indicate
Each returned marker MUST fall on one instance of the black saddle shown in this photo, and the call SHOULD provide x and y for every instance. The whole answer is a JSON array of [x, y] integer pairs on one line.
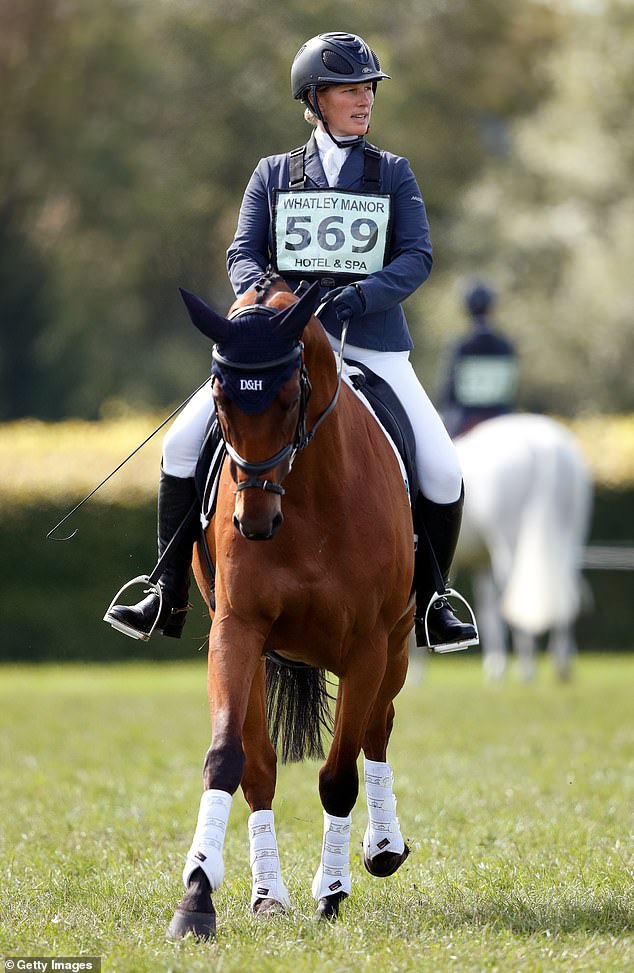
[[389, 411]]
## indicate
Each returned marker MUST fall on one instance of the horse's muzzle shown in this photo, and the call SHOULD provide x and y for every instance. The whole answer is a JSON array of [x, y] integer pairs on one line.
[[254, 532]]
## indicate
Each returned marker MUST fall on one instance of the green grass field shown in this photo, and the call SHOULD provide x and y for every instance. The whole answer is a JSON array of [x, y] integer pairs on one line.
[[516, 801]]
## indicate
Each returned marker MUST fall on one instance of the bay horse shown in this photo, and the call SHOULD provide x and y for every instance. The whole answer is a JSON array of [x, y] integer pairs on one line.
[[317, 572], [528, 498]]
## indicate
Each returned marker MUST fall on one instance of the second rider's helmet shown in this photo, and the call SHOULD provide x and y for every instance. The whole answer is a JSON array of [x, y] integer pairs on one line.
[[335, 58], [479, 298]]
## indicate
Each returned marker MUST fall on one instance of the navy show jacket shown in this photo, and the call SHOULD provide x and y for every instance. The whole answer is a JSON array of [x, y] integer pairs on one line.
[[383, 326]]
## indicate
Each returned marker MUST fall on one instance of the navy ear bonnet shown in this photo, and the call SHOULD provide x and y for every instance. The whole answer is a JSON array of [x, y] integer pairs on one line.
[[257, 349], [254, 390]]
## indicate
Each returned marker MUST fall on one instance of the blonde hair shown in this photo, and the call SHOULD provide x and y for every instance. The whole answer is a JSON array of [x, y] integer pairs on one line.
[[310, 115]]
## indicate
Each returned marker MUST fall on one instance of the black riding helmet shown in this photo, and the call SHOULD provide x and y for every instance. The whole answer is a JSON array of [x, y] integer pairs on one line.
[[335, 58], [479, 298]]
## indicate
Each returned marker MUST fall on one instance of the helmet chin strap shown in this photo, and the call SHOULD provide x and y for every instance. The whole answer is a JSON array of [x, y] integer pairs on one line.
[[348, 143]]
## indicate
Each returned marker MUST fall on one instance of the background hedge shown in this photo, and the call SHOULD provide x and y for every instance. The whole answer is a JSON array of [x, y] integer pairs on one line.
[[53, 595]]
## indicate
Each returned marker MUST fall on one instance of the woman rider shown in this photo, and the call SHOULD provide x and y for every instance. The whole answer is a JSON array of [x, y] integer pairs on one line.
[[289, 219]]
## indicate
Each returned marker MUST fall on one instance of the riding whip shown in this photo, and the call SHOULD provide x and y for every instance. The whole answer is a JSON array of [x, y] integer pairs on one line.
[[116, 470]]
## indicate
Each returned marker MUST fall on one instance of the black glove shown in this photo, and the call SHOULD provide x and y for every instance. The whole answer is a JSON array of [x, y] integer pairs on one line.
[[349, 304]]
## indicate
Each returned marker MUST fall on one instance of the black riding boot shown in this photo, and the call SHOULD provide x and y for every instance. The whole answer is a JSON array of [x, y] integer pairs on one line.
[[438, 525], [176, 503]]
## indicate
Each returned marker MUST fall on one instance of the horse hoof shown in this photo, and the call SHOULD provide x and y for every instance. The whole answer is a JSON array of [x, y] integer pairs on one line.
[[386, 863], [268, 907], [328, 906], [201, 925]]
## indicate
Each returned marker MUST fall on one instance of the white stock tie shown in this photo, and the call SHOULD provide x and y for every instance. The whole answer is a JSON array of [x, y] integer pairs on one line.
[[332, 161]]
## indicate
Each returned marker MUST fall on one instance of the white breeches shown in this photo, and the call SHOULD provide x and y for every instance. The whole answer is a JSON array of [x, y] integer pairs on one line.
[[437, 463], [183, 442]]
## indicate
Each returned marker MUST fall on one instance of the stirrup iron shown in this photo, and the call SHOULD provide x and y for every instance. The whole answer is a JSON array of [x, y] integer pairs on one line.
[[451, 646], [152, 588]]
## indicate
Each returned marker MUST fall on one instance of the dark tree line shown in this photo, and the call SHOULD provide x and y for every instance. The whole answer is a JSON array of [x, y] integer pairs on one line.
[[129, 130]]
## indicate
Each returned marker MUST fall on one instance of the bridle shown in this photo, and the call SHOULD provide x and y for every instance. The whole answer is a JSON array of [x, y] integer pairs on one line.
[[302, 436], [254, 470]]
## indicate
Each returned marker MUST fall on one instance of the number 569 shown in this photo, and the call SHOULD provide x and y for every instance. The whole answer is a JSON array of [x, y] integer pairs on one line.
[[330, 235]]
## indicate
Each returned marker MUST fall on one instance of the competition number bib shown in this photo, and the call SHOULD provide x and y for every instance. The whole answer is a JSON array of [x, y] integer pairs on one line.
[[334, 231], [485, 381]]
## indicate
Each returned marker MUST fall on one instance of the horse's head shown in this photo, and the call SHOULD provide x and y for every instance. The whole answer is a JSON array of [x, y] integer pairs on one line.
[[260, 391]]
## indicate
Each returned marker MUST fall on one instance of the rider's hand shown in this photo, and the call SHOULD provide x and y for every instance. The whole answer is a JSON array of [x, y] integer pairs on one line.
[[349, 304]]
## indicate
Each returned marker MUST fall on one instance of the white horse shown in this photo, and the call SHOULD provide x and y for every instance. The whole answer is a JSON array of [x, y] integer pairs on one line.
[[528, 497]]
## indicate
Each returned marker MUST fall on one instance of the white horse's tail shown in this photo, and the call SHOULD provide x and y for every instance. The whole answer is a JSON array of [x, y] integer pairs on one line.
[[544, 587]]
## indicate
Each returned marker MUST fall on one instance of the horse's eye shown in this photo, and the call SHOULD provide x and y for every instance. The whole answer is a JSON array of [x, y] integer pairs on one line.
[[289, 395], [221, 400], [287, 403]]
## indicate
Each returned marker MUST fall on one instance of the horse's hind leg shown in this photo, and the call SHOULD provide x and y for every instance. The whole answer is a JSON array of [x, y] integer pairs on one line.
[[268, 892], [562, 648], [491, 626], [339, 780], [525, 648], [384, 849]]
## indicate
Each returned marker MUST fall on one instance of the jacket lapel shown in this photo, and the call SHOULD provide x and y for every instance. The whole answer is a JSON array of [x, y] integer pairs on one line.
[[351, 175]]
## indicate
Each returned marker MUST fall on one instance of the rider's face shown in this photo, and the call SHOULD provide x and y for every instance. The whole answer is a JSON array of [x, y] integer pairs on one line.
[[347, 108]]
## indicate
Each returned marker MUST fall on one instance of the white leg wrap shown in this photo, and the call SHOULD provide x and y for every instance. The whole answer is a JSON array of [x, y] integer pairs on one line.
[[333, 874], [383, 832], [264, 860], [206, 849]]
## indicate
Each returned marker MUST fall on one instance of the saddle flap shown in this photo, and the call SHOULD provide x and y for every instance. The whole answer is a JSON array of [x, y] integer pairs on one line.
[[390, 414]]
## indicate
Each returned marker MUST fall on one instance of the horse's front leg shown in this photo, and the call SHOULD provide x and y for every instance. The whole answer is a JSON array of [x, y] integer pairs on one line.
[[384, 849], [234, 655]]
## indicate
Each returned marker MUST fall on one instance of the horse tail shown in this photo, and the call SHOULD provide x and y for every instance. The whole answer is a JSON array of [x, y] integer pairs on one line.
[[297, 709], [544, 589]]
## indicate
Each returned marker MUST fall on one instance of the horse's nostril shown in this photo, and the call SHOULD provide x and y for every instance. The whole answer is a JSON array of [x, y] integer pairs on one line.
[[238, 525], [278, 520]]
